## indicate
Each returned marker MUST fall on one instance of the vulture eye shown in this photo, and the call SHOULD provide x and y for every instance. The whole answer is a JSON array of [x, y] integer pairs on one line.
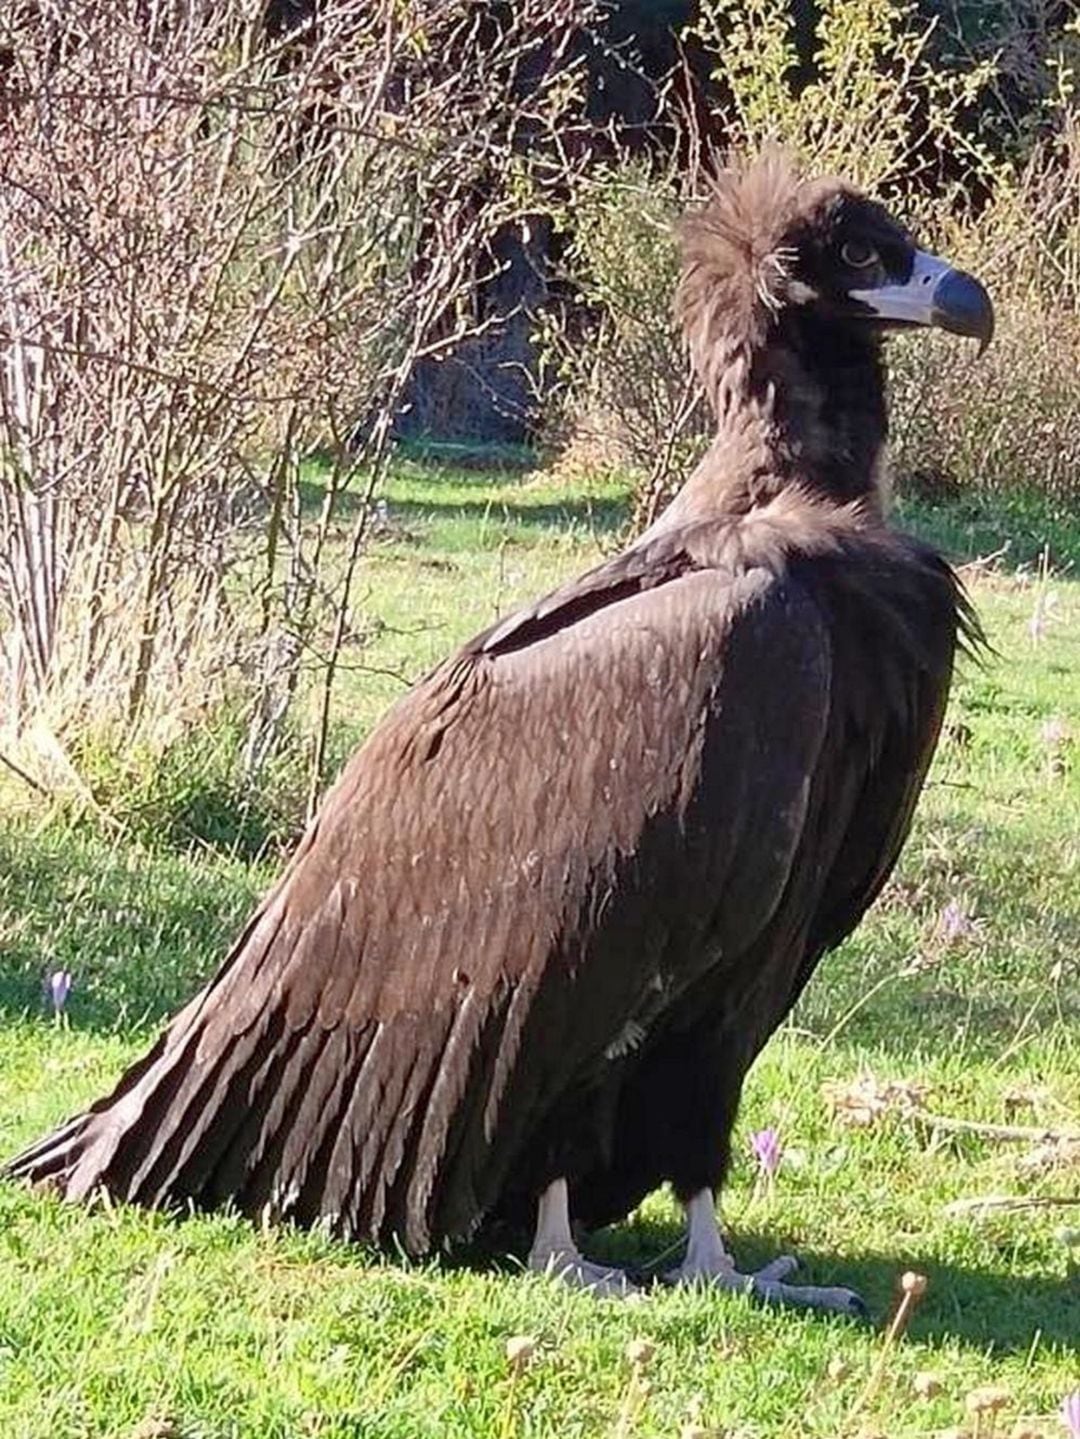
[[858, 254]]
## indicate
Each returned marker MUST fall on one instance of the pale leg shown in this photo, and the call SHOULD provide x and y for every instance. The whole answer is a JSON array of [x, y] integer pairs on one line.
[[554, 1251], [708, 1262]]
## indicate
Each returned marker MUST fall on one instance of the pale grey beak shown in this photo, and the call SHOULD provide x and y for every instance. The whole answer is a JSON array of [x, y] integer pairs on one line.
[[934, 294]]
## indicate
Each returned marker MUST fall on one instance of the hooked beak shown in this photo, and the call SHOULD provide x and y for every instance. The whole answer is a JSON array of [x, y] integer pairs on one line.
[[934, 294]]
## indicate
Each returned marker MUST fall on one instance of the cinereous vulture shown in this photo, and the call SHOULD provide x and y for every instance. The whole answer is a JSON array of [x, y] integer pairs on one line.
[[555, 905]]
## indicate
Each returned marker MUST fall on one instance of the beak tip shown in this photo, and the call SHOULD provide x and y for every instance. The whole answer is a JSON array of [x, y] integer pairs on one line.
[[962, 306]]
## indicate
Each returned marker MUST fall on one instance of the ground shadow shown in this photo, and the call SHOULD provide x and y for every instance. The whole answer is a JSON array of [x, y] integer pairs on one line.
[[1017, 527], [312, 492], [1012, 531], [982, 1307], [605, 514], [992, 1309]]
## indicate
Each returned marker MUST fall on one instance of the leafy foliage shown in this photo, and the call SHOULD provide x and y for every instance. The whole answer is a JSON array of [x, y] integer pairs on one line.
[[884, 108], [876, 97]]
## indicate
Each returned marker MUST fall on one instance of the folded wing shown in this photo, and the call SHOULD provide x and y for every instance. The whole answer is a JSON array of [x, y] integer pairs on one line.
[[542, 846]]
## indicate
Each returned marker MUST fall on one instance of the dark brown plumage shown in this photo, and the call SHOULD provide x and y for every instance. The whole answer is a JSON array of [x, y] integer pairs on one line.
[[562, 896]]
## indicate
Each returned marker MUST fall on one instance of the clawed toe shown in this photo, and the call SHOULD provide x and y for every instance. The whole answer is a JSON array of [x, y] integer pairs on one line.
[[722, 1274], [597, 1279], [809, 1296], [555, 1253], [767, 1285], [778, 1268]]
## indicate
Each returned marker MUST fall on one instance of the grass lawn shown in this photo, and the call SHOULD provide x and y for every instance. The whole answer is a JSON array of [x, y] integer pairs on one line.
[[963, 981]]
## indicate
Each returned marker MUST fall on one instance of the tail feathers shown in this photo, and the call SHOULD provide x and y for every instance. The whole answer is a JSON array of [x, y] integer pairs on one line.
[[196, 1113], [252, 1171], [376, 1130], [309, 1124], [105, 1147], [159, 1137], [51, 1159]]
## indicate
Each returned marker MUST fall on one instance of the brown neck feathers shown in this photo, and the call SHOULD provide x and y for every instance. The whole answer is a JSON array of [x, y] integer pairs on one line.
[[798, 395]]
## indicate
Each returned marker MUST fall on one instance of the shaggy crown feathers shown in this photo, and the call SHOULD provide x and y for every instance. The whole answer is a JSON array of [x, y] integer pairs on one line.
[[736, 256]]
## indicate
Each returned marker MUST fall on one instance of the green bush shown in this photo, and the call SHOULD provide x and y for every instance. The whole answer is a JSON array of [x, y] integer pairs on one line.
[[617, 390], [883, 104], [1012, 419], [192, 794]]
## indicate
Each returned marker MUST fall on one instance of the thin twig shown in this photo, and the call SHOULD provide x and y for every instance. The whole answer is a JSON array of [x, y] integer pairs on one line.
[[1021, 1133], [26, 778], [1009, 1202]]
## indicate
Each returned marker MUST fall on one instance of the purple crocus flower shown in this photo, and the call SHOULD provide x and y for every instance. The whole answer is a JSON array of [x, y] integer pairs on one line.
[[58, 987], [954, 923], [767, 1150], [1070, 1413]]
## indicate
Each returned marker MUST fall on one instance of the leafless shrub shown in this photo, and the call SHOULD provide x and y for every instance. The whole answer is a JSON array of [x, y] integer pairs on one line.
[[222, 249], [617, 386]]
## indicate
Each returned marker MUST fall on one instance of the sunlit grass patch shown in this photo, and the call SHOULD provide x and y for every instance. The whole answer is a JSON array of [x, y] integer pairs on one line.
[[957, 1000]]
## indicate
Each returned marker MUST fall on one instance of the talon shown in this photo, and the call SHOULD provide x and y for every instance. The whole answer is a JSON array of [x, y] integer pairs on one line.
[[809, 1296]]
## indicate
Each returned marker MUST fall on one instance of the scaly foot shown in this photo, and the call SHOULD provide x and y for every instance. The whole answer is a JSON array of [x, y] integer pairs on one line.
[[768, 1285], [569, 1265], [554, 1251], [708, 1262]]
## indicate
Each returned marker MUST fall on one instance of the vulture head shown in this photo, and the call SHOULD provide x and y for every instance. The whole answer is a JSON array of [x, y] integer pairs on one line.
[[788, 288]]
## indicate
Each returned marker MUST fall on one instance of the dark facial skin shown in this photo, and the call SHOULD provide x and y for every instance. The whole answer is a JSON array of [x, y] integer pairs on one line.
[[853, 245], [862, 265]]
